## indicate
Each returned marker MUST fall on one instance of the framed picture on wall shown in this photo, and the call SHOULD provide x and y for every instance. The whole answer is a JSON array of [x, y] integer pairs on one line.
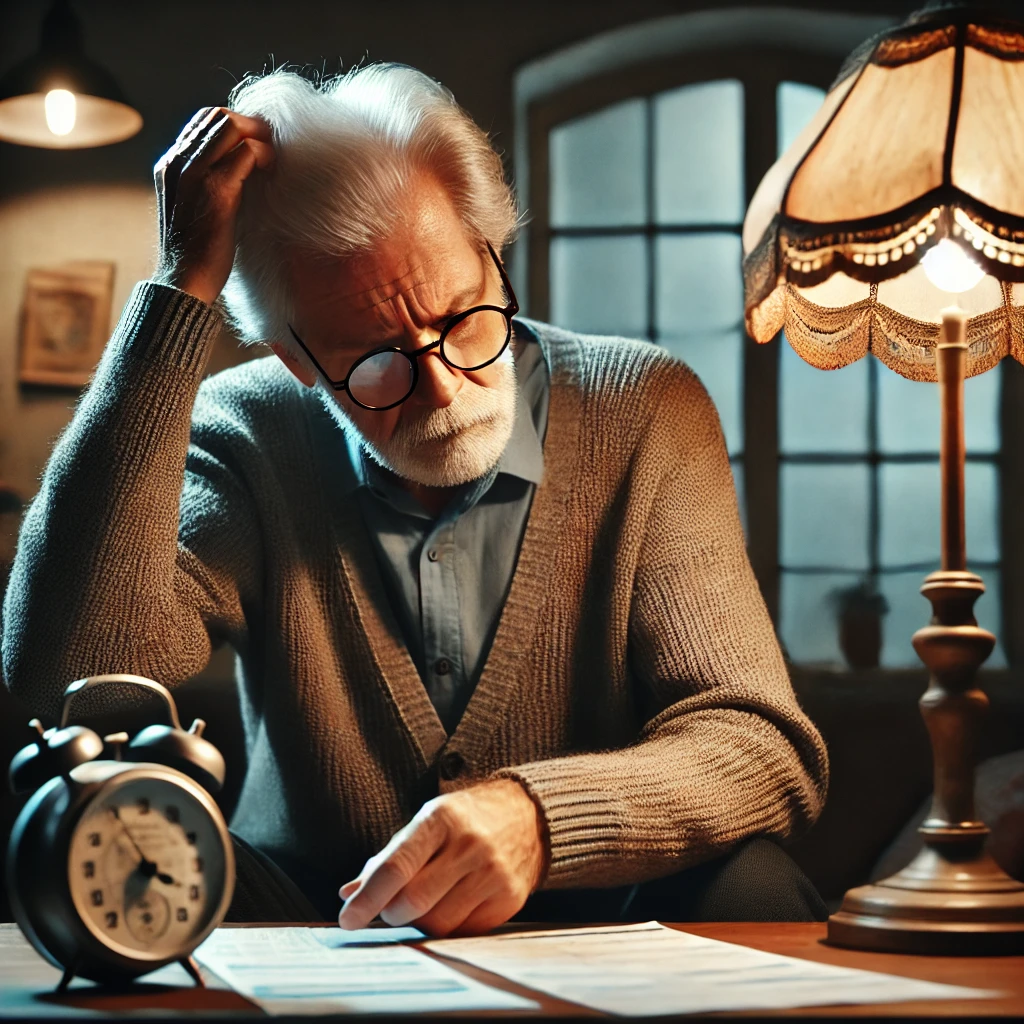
[[66, 323]]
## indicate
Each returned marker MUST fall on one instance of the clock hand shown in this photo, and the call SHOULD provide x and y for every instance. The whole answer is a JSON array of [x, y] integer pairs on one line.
[[146, 867]]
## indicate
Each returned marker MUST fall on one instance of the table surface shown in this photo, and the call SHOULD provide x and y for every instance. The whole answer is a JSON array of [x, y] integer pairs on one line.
[[27, 982]]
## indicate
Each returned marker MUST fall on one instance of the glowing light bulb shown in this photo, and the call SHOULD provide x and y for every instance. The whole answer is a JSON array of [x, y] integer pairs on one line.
[[948, 267], [60, 111]]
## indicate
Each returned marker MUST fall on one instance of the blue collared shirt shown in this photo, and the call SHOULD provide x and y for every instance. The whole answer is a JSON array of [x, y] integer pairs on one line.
[[447, 578]]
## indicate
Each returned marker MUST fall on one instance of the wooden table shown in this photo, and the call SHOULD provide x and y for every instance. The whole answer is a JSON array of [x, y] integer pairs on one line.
[[27, 983]]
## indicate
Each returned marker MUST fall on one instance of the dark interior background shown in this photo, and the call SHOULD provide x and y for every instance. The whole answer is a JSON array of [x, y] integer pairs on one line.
[[171, 59]]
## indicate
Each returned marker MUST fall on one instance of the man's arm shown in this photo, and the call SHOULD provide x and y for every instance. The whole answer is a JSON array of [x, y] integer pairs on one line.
[[100, 582], [728, 752]]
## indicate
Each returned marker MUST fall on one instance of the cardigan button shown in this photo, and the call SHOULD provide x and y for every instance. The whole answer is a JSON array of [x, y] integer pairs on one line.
[[451, 765]]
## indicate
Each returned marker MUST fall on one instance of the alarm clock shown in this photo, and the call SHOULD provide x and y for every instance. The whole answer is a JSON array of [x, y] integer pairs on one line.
[[119, 865]]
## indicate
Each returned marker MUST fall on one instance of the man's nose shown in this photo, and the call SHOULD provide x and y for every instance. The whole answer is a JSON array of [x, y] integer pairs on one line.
[[438, 382]]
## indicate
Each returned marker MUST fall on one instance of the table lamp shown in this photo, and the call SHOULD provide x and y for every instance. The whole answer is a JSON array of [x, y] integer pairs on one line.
[[902, 198]]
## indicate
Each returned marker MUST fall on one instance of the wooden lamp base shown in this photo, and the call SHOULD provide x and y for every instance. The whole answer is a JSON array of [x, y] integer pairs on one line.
[[952, 899]]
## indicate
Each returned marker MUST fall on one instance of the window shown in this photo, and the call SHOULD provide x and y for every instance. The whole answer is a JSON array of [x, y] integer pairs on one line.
[[646, 210], [638, 183]]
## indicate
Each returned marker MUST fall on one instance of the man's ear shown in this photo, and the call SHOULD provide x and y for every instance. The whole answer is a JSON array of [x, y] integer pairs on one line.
[[301, 372]]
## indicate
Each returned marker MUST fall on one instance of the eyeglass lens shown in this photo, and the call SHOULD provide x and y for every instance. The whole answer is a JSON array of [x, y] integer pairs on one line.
[[386, 378]]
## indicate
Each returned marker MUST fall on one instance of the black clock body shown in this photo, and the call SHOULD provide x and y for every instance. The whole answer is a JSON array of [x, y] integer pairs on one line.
[[86, 895]]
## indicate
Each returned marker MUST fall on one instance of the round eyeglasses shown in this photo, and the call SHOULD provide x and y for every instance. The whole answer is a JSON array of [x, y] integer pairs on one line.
[[470, 340]]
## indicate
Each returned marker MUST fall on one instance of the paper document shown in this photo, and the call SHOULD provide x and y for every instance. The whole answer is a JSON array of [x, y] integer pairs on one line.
[[647, 969], [327, 970]]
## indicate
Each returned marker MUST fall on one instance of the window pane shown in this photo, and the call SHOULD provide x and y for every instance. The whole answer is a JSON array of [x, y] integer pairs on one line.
[[600, 285], [909, 610], [822, 410], [796, 104], [908, 413], [597, 168], [718, 360], [810, 629], [699, 283], [910, 513], [825, 515], [698, 154]]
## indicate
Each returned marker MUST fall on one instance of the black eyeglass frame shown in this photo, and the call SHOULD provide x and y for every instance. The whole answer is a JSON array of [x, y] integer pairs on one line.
[[507, 312]]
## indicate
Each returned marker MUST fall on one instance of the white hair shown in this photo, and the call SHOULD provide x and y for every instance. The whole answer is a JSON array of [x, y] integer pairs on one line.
[[346, 148]]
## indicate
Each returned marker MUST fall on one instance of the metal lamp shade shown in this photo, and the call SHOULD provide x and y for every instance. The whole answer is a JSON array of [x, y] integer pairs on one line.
[[921, 138], [103, 116]]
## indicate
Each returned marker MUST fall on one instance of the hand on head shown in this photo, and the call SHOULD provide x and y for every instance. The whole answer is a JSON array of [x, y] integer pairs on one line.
[[465, 864], [199, 183]]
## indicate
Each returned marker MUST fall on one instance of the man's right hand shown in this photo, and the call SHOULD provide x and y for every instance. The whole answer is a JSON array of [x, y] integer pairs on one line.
[[198, 190]]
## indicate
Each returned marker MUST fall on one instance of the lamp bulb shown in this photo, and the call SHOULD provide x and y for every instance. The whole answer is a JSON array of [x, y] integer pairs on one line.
[[950, 269], [60, 111]]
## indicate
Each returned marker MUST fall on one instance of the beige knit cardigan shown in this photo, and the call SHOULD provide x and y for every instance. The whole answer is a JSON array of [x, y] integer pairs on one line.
[[634, 686]]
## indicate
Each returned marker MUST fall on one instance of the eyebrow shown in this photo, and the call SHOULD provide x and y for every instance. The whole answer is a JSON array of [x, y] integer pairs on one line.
[[460, 303]]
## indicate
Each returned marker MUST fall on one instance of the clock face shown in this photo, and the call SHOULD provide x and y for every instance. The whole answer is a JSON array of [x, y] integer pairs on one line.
[[146, 867]]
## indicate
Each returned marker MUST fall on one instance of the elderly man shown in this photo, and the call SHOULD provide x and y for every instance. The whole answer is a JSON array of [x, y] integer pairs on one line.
[[496, 628]]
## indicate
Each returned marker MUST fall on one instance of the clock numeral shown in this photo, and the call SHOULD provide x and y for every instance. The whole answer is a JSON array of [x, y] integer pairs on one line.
[[111, 918], [173, 815], [89, 868], [191, 837], [97, 897], [94, 839], [193, 892], [143, 805], [182, 914], [198, 866]]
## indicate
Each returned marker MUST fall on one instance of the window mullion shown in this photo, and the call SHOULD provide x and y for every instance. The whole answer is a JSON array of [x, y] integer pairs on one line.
[[761, 367]]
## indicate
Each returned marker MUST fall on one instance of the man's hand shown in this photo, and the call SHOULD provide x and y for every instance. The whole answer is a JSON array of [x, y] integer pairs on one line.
[[466, 863], [198, 191]]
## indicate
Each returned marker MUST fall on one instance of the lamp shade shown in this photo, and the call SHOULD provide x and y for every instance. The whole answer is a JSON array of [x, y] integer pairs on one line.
[[920, 139], [59, 98]]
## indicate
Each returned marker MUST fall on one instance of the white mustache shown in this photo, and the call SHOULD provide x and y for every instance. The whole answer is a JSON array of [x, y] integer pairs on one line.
[[440, 425]]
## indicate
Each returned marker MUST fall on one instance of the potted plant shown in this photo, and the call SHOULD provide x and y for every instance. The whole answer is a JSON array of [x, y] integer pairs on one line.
[[859, 609]]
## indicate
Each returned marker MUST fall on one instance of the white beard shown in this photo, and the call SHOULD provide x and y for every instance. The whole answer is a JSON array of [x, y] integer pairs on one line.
[[450, 446]]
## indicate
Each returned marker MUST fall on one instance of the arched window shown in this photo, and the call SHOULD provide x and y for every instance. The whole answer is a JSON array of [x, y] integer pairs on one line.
[[636, 155]]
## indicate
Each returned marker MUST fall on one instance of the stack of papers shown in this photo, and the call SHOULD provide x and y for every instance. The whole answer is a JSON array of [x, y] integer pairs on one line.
[[326, 970], [647, 969], [632, 970]]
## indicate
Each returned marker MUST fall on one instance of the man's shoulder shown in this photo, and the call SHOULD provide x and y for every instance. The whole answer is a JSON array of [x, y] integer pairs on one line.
[[257, 390], [615, 368]]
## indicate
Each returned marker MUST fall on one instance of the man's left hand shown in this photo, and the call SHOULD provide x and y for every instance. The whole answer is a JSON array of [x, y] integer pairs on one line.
[[465, 864]]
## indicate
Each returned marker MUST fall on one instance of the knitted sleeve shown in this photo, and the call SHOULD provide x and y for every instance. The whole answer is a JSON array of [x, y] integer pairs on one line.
[[101, 582], [728, 753]]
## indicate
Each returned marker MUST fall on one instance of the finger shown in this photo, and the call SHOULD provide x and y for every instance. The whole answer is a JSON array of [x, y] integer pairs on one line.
[[167, 169], [349, 888], [485, 918], [228, 174], [406, 853], [425, 890], [194, 130], [223, 134], [456, 906]]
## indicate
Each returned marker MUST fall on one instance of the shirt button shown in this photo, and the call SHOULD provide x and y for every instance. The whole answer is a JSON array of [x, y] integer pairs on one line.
[[433, 555], [451, 765], [442, 666]]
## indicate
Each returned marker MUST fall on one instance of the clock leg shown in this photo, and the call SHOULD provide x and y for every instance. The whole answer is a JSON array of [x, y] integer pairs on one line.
[[193, 971], [69, 975]]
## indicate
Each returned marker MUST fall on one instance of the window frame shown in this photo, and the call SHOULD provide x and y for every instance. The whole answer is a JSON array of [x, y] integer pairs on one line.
[[760, 69]]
